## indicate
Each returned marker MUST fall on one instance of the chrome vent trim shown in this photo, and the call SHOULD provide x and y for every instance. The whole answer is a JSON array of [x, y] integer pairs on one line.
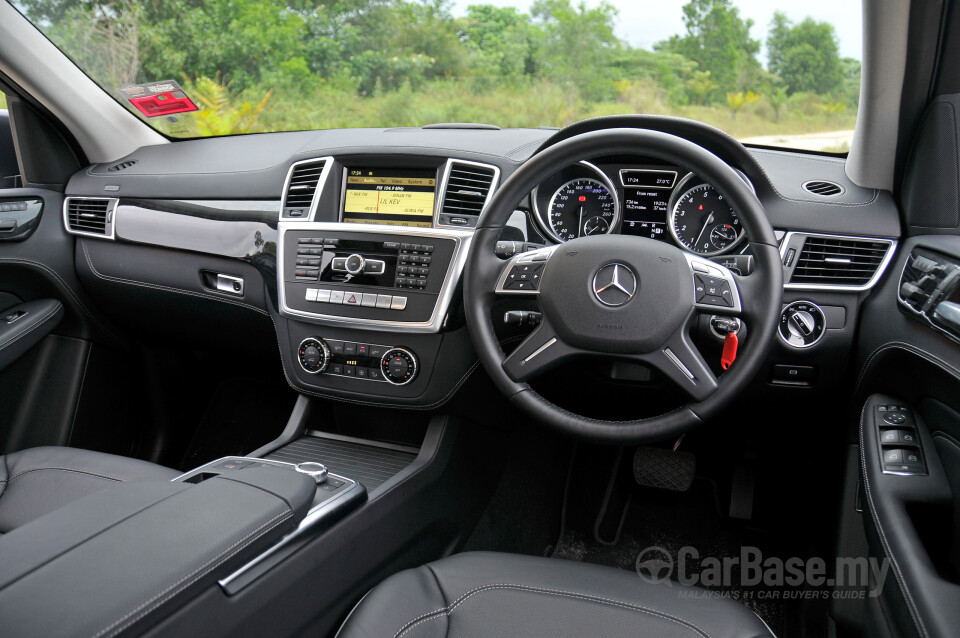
[[303, 187], [466, 188], [834, 262], [90, 216], [823, 188]]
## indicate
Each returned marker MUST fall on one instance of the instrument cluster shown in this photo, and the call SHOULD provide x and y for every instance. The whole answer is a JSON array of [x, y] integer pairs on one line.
[[659, 202]]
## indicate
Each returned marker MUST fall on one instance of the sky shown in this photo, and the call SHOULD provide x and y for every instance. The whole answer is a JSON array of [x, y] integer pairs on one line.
[[643, 22]]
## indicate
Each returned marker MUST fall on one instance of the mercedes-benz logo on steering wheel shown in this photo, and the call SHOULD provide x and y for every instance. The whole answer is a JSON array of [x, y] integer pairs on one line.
[[614, 284]]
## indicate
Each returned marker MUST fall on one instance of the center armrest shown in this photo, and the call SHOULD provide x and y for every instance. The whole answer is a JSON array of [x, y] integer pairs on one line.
[[104, 563]]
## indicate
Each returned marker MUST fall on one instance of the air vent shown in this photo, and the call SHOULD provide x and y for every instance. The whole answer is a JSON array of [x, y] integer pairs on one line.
[[468, 186], [120, 166], [839, 261], [823, 188], [90, 216], [302, 184]]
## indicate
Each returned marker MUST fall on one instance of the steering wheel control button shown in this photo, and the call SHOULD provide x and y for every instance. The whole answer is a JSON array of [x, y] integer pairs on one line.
[[399, 366], [894, 418], [802, 324], [615, 284], [714, 291], [316, 471], [313, 355]]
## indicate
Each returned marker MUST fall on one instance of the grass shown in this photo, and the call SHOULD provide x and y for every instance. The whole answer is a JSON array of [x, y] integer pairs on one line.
[[3, 101], [518, 104]]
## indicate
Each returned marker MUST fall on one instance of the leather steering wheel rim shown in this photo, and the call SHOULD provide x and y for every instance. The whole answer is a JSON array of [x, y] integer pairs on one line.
[[761, 292]]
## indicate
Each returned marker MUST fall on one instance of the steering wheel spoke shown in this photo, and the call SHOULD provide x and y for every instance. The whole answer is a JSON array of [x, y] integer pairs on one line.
[[680, 360], [539, 352]]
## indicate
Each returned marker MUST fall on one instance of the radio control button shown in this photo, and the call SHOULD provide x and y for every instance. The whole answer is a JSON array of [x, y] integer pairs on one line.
[[339, 264], [384, 301], [336, 296], [398, 303], [323, 296], [352, 298], [391, 245]]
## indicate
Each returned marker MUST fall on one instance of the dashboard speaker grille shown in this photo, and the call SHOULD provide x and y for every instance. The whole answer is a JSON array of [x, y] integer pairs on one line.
[[838, 261], [90, 216], [304, 180], [467, 190], [823, 188]]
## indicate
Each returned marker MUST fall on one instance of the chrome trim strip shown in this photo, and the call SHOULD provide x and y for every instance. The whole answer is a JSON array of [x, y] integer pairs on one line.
[[111, 217], [462, 239], [442, 189], [321, 183], [539, 350], [676, 361], [891, 250], [921, 315]]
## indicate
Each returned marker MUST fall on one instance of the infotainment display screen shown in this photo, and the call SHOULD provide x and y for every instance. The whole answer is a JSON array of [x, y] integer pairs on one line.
[[398, 197]]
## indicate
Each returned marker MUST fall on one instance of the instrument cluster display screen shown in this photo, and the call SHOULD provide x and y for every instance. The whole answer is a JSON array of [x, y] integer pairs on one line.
[[645, 213], [397, 197]]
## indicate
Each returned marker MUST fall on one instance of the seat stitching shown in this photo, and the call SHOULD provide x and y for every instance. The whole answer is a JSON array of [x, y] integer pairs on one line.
[[446, 611], [173, 590], [63, 469]]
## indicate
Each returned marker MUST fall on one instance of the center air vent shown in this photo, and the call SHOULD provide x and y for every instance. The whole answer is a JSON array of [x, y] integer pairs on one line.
[[468, 186], [303, 183], [89, 216], [830, 261], [823, 188]]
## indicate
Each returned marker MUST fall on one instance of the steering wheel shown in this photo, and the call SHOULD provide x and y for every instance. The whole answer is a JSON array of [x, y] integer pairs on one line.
[[623, 297]]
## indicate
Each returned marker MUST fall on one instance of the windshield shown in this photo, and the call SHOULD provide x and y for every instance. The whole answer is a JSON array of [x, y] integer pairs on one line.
[[771, 72]]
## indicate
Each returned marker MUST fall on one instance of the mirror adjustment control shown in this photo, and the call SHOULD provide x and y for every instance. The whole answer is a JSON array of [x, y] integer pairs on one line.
[[313, 355], [399, 366]]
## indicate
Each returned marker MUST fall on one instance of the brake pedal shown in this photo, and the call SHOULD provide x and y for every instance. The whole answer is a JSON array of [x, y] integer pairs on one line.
[[664, 469]]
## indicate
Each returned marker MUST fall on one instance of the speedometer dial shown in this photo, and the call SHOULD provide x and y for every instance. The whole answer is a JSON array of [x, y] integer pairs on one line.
[[702, 221], [581, 207]]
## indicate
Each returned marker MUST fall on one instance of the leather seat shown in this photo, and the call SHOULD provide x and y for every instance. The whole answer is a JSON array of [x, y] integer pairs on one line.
[[39, 480], [484, 594]]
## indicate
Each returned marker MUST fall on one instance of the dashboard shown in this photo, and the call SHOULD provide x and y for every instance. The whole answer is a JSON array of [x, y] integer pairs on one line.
[[342, 247]]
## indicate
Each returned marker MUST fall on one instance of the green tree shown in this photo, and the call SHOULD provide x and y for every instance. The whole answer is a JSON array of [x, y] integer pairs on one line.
[[719, 41], [578, 45], [700, 84], [502, 41], [806, 55]]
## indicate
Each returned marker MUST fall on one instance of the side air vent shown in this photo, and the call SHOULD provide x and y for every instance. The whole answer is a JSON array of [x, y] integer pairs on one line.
[[91, 216], [467, 188], [823, 188], [303, 184], [831, 261], [120, 166]]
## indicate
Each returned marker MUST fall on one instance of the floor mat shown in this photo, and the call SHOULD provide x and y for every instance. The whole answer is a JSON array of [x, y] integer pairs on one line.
[[654, 529]]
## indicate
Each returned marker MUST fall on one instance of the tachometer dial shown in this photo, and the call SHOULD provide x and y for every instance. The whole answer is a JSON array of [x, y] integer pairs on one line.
[[702, 222], [583, 206]]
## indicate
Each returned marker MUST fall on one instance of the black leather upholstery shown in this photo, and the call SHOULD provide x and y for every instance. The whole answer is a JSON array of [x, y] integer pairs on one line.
[[485, 594], [39, 480]]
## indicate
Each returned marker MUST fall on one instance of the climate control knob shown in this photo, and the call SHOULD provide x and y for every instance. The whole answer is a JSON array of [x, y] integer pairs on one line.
[[399, 366], [314, 355]]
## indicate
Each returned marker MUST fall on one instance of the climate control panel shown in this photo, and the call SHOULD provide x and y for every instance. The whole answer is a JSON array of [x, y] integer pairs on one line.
[[364, 361]]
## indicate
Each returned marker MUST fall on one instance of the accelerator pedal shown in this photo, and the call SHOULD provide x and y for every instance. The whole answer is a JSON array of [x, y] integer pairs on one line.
[[664, 469]]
